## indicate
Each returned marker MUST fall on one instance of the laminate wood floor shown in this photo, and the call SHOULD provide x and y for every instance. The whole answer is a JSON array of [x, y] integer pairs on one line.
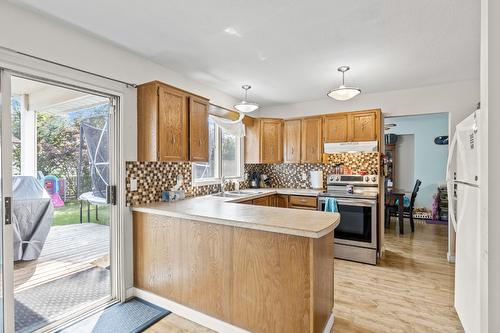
[[411, 290]]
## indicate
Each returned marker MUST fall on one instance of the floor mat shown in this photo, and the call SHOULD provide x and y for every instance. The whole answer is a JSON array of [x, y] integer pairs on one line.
[[133, 316], [37, 306]]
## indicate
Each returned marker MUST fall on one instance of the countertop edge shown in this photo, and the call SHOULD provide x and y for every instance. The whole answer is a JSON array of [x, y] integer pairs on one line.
[[246, 225]]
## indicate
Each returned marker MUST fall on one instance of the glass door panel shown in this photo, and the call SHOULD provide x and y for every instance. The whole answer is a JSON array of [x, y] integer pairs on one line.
[[6, 269]]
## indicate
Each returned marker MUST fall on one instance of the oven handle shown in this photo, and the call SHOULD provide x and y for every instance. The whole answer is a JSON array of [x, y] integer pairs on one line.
[[358, 202]]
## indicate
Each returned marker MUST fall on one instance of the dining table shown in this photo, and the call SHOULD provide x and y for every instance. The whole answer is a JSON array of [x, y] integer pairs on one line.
[[396, 196]]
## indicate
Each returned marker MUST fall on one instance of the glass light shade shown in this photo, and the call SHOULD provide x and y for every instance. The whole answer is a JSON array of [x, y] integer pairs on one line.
[[344, 93], [246, 107]]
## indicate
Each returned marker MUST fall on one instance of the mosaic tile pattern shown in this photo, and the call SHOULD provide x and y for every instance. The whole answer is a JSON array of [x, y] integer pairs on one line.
[[155, 177], [290, 175]]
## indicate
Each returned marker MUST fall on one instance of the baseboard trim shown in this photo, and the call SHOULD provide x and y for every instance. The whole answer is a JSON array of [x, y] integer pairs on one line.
[[188, 313], [329, 324], [196, 316]]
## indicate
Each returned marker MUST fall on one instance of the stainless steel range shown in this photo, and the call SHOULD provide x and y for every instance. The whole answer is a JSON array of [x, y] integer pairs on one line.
[[356, 235]]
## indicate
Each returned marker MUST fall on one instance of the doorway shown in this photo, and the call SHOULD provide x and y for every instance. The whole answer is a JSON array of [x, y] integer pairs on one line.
[[405, 164], [59, 170]]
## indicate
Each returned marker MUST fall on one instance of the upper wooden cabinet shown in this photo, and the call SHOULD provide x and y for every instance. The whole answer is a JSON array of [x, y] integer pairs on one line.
[[312, 144], [172, 124], [264, 141], [352, 126], [363, 126], [335, 128], [291, 141], [198, 129]]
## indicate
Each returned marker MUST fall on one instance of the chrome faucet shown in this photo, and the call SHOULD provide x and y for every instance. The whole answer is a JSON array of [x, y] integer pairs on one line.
[[222, 184]]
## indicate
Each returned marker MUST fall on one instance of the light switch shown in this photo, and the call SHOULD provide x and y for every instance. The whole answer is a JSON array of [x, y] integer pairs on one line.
[[133, 185]]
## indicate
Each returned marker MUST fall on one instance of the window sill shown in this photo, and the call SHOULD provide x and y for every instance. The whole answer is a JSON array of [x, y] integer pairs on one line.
[[198, 183], [216, 181]]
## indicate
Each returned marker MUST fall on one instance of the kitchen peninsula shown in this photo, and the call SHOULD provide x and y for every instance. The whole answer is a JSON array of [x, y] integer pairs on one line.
[[263, 269]]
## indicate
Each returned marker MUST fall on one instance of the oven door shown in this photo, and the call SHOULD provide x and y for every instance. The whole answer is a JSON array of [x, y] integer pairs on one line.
[[358, 222]]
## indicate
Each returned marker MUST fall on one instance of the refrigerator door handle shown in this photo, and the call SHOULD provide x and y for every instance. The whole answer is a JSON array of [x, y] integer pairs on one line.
[[451, 152], [450, 181], [450, 186]]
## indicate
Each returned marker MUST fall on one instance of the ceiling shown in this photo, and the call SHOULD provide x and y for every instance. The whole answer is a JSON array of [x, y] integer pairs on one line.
[[289, 50], [44, 97]]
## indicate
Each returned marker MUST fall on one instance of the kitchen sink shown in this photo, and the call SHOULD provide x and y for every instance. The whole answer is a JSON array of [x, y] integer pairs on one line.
[[244, 192], [227, 195]]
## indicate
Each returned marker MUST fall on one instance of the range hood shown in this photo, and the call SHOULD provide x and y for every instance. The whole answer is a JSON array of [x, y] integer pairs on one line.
[[351, 147]]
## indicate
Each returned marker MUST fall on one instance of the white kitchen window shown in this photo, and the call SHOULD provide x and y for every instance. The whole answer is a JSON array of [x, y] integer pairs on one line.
[[225, 157]]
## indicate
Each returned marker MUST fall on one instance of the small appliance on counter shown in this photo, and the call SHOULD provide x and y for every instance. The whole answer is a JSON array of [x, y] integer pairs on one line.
[[264, 181], [317, 179], [254, 180]]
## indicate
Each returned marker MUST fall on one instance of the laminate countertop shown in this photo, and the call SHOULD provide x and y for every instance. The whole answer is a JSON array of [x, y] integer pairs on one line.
[[229, 211]]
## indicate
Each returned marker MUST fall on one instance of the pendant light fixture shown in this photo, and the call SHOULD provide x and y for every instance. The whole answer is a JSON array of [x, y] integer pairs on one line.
[[245, 106], [344, 93]]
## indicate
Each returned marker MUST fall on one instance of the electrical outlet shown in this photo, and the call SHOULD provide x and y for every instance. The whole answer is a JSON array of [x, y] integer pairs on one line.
[[133, 185], [304, 176]]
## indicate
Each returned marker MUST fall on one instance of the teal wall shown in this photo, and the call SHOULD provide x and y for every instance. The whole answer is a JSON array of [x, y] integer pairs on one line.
[[430, 159]]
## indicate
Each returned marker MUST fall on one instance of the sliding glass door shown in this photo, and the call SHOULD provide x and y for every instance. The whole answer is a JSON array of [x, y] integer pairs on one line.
[[59, 215], [6, 250]]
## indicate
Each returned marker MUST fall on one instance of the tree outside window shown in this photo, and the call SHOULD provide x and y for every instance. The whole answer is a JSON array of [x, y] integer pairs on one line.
[[224, 156]]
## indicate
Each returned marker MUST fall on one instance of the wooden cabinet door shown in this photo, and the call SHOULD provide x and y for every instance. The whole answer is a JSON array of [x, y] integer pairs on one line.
[[172, 125], [271, 141], [273, 200], [363, 126], [335, 128], [282, 201], [291, 141], [198, 129], [311, 140], [264, 201]]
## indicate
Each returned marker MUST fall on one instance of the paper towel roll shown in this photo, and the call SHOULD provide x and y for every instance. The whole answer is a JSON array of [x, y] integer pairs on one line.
[[317, 179]]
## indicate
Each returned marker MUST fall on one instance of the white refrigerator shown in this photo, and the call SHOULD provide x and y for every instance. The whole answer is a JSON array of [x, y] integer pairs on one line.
[[463, 180]]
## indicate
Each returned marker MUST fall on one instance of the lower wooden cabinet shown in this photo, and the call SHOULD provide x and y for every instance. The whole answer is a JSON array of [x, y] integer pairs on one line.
[[248, 202], [282, 201], [263, 201], [285, 201], [303, 202]]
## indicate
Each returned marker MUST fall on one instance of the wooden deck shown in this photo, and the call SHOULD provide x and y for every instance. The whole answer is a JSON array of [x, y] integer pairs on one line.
[[68, 249]]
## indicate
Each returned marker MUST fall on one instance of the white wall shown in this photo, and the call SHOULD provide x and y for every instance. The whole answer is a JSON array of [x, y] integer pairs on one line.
[[429, 159], [490, 159], [459, 99], [31, 33]]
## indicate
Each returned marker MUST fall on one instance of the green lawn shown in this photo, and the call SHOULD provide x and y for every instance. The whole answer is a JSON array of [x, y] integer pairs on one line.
[[70, 214]]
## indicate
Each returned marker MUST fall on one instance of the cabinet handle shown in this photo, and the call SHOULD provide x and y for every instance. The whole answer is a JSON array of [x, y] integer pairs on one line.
[[292, 150], [199, 142]]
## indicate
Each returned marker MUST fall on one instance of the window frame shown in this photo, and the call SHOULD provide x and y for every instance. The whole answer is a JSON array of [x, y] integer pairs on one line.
[[218, 163]]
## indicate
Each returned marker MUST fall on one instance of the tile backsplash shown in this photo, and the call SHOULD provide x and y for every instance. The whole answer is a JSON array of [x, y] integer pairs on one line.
[[289, 175], [155, 177]]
